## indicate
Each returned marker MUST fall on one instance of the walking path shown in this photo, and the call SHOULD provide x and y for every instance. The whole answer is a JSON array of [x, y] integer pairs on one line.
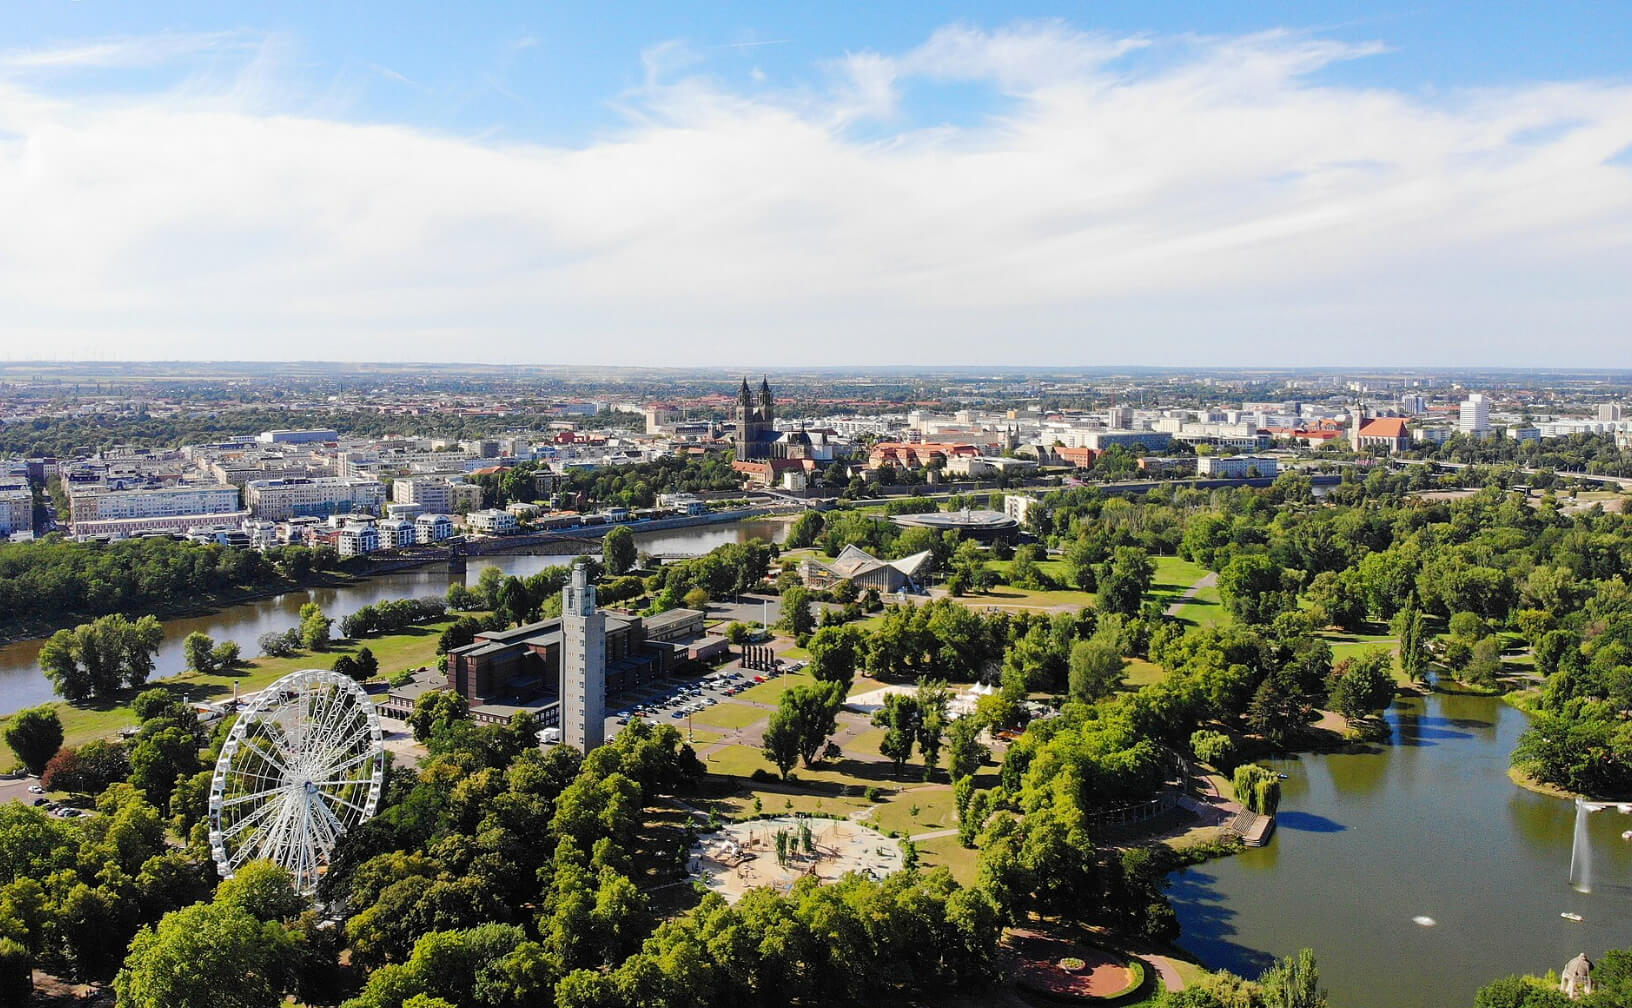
[[1165, 969], [1190, 593]]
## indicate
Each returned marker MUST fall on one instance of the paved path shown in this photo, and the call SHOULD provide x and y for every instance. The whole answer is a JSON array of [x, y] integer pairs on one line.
[[1207, 581], [1165, 969]]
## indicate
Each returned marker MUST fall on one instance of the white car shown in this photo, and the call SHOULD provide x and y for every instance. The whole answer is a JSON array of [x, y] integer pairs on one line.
[[35, 789]]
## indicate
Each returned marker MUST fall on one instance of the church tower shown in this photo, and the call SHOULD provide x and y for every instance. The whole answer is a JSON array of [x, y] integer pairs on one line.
[[767, 408], [583, 664]]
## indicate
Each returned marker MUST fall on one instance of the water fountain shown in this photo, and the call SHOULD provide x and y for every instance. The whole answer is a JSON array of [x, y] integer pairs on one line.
[[1581, 849]]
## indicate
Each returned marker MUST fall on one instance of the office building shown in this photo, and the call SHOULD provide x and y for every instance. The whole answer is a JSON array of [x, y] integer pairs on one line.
[[1473, 418]]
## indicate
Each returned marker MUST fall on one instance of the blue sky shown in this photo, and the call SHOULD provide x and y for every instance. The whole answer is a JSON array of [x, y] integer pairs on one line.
[[668, 183]]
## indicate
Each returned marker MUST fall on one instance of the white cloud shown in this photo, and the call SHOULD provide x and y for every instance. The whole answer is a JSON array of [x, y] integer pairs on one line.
[[1217, 205]]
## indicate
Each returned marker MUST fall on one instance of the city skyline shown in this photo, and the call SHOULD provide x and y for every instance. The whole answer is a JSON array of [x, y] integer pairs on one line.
[[1294, 188]]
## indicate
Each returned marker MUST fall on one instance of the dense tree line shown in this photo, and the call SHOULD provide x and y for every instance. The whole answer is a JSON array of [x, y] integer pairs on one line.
[[52, 580]]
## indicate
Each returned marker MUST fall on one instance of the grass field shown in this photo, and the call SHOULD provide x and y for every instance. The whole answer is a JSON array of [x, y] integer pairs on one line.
[[730, 715], [1204, 609], [947, 852], [101, 719], [935, 811]]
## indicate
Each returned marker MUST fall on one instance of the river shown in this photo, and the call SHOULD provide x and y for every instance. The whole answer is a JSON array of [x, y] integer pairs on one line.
[[1430, 827], [22, 685]]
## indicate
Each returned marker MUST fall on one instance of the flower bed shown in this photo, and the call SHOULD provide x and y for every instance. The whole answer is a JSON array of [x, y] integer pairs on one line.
[[1063, 969]]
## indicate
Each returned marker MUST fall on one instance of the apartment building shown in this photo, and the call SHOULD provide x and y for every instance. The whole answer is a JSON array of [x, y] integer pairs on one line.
[[438, 494], [152, 509], [278, 499], [16, 507], [1236, 466]]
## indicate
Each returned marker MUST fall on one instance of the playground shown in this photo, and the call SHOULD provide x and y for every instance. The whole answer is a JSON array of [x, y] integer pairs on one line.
[[778, 852]]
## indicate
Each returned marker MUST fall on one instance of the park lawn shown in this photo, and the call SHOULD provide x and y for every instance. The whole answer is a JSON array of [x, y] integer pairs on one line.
[[1055, 570], [730, 715], [740, 805], [1142, 673], [946, 852], [1204, 609], [738, 761], [1010, 597], [936, 811], [1174, 575], [103, 718], [770, 691]]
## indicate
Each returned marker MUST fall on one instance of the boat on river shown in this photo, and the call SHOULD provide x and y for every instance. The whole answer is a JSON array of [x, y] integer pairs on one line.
[[1571, 916]]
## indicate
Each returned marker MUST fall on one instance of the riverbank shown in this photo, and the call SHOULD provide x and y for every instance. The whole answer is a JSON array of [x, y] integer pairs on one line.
[[17, 631], [104, 718]]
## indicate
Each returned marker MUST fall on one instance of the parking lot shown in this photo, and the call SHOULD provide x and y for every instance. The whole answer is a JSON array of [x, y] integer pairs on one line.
[[25, 790], [670, 702]]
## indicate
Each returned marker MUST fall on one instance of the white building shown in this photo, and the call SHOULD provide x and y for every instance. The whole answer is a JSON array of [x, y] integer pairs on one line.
[[155, 509], [288, 498], [396, 533], [1474, 417], [357, 539], [432, 528], [297, 436], [1236, 466], [491, 521], [16, 508], [437, 494], [1018, 506]]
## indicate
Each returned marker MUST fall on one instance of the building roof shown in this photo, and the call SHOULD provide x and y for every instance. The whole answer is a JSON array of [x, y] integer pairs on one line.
[[1385, 427]]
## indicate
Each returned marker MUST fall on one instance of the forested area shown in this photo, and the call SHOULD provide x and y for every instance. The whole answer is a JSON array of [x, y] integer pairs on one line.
[[52, 580], [59, 436]]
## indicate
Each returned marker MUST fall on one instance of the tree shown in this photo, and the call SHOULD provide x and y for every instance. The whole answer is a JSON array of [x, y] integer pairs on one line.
[[900, 718], [1485, 662], [262, 889], [159, 758], [368, 666], [1254, 588], [834, 653], [225, 655], [35, 735], [796, 615], [697, 598], [965, 753], [1257, 788], [1124, 580], [1363, 685], [1278, 710], [1096, 667], [781, 740], [88, 770], [1213, 748], [1411, 628], [197, 650], [314, 627], [96, 659], [805, 529], [437, 709], [811, 710], [210, 955], [618, 550]]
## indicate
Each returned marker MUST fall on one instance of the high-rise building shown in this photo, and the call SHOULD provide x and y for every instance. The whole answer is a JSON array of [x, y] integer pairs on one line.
[[1609, 412], [583, 664], [1474, 418]]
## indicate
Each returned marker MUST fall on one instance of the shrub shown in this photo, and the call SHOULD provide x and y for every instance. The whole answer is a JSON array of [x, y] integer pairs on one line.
[[874, 794]]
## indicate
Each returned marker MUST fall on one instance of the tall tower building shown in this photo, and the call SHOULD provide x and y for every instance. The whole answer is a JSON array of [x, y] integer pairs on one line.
[[1474, 416], [583, 664]]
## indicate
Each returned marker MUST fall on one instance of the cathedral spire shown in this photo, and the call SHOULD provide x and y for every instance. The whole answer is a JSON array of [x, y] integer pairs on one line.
[[767, 410]]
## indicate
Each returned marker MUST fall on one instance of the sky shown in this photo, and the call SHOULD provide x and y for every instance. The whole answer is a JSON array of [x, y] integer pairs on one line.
[[784, 184]]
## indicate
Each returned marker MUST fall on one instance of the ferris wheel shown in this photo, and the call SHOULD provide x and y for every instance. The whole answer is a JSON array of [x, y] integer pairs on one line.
[[303, 764]]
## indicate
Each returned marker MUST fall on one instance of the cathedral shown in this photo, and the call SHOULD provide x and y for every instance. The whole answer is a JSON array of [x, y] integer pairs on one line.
[[756, 427], [765, 456]]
